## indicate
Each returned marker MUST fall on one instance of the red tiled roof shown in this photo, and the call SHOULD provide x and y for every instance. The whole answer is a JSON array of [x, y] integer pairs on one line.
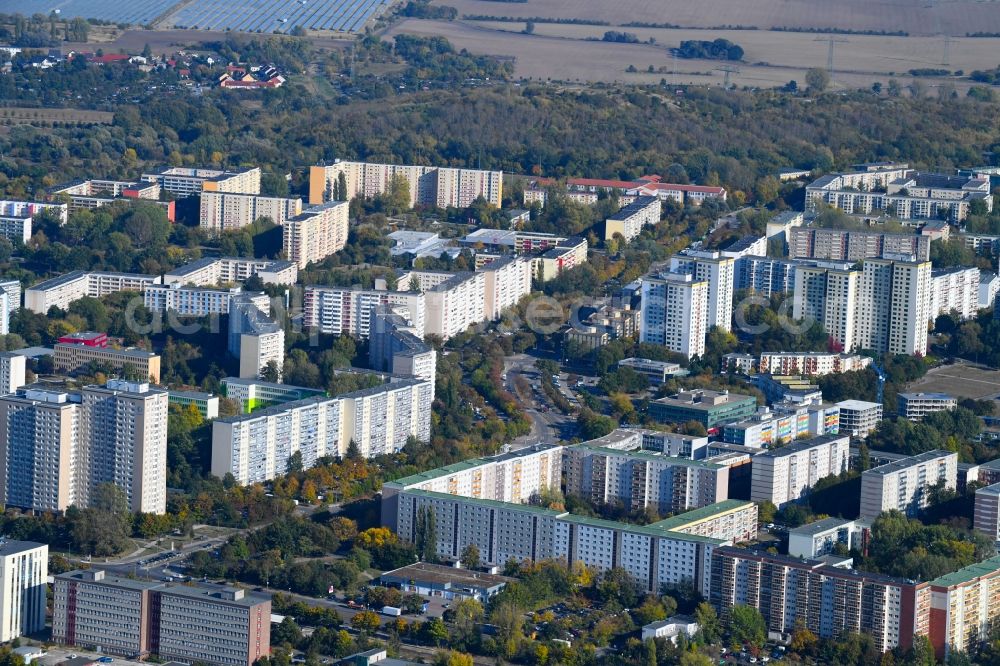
[[109, 57], [708, 189]]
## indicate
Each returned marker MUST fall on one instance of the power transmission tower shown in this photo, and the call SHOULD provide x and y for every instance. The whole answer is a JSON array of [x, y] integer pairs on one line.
[[945, 59], [728, 69], [829, 54]]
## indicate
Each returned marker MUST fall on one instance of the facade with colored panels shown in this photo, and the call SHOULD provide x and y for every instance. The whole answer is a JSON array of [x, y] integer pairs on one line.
[[783, 425]]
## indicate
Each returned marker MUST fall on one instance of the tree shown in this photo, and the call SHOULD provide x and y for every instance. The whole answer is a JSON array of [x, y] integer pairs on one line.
[[766, 511], [397, 196], [470, 556], [747, 626], [271, 372], [425, 534], [366, 622], [288, 632], [817, 79]]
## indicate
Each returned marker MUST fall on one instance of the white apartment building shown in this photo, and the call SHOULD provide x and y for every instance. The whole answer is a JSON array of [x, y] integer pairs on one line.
[[787, 474], [859, 418], [640, 479], [16, 228], [442, 187], [12, 372], [393, 345], [199, 301], [821, 537], [829, 294], [674, 313], [765, 275], [814, 364], [986, 512], [954, 290], [17, 217], [40, 439], [719, 272], [256, 447], [225, 211], [186, 181], [632, 218], [674, 444], [894, 306], [784, 424], [348, 311], [24, 569], [254, 338], [989, 287], [904, 485], [452, 301], [125, 424], [63, 290], [316, 233], [514, 477], [915, 406], [747, 246], [508, 280], [215, 271]]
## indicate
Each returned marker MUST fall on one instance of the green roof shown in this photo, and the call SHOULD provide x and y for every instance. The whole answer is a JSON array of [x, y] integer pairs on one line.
[[969, 573], [701, 513]]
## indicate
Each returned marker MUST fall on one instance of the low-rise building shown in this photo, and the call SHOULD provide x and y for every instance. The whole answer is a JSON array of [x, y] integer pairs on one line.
[[785, 423], [442, 582], [811, 363], [253, 394], [915, 406], [710, 408], [566, 254], [859, 418], [656, 371], [134, 363], [671, 628], [207, 404], [905, 485], [604, 325]]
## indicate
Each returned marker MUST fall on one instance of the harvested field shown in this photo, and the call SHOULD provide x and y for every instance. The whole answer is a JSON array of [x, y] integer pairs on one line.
[[916, 17], [960, 380], [15, 115], [563, 53]]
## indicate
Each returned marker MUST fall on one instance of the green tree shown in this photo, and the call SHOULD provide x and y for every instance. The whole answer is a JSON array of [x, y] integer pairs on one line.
[[747, 626], [366, 622], [470, 556], [708, 622], [817, 79]]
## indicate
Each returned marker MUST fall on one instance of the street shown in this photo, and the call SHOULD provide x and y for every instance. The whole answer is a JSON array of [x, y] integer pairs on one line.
[[547, 427]]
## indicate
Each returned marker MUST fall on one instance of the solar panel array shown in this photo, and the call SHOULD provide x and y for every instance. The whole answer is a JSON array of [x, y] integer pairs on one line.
[[136, 12], [236, 15], [278, 15]]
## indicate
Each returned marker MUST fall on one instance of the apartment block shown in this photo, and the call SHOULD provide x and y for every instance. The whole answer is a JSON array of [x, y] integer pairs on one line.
[[514, 477], [508, 280], [224, 211], [814, 364], [747, 246], [673, 444], [63, 290], [986, 511], [859, 418], [726, 520], [905, 485], [629, 222], [24, 568], [216, 271], [394, 346], [131, 362], [256, 447], [199, 301], [782, 425], [786, 474], [566, 254], [989, 287], [96, 193], [964, 607], [12, 372], [441, 187], [821, 537], [894, 309], [829, 294], [710, 408], [254, 338], [348, 311], [252, 394], [640, 479], [852, 245], [16, 218], [900, 192], [452, 301], [316, 233], [675, 313], [954, 290], [209, 624], [185, 181], [605, 324], [718, 271], [915, 406], [826, 600], [764, 275]]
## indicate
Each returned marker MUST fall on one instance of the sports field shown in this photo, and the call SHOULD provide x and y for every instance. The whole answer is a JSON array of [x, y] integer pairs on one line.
[[960, 380]]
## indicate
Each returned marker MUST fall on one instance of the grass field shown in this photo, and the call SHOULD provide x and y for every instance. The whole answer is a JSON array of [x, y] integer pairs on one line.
[[563, 52], [916, 17], [15, 115], [960, 380]]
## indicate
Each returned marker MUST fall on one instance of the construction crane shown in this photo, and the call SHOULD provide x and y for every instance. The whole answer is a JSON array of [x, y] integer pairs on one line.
[[831, 40], [728, 69], [880, 387]]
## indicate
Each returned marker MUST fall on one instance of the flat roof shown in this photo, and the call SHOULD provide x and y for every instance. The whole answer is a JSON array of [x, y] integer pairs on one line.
[[702, 514], [422, 477], [926, 396], [639, 454], [904, 463], [969, 573], [820, 526], [858, 405], [803, 445], [440, 574], [11, 547], [130, 352], [510, 506]]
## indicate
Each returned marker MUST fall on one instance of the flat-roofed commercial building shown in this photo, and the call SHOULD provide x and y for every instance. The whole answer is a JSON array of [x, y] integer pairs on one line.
[[710, 408], [904, 485], [915, 406], [787, 474], [142, 364], [210, 624]]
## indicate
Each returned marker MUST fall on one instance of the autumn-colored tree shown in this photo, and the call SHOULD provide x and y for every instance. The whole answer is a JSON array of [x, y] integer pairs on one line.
[[366, 622], [375, 538]]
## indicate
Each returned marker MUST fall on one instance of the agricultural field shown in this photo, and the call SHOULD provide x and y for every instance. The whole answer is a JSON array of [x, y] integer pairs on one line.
[[916, 17], [14, 115], [569, 53]]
